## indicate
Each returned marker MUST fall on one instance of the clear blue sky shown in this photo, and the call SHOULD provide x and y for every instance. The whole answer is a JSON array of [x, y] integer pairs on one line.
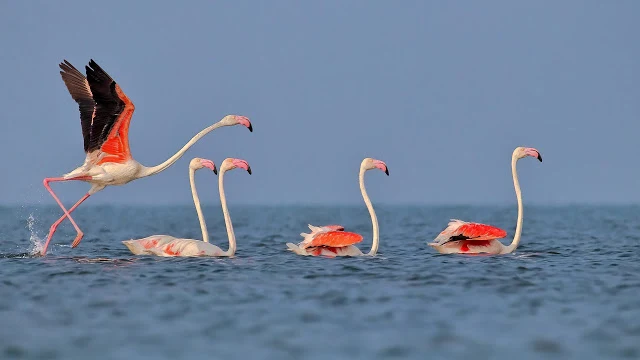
[[443, 91]]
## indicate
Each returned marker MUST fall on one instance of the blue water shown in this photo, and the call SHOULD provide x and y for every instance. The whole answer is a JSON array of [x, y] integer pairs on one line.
[[571, 291]]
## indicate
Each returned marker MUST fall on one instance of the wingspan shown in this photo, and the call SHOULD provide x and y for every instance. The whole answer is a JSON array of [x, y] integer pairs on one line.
[[80, 92], [105, 111], [110, 125], [462, 230]]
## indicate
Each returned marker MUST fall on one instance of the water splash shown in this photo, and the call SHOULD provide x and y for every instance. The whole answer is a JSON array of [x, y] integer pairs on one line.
[[34, 239]]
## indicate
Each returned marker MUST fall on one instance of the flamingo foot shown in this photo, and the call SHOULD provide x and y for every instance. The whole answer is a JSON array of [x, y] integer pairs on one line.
[[77, 240]]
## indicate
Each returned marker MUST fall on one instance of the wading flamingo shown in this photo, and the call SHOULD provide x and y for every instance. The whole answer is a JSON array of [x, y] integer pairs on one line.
[[165, 245], [462, 237], [105, 114], [332, 240]]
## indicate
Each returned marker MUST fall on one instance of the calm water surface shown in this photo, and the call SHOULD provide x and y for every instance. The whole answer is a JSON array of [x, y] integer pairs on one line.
[[571, 291]]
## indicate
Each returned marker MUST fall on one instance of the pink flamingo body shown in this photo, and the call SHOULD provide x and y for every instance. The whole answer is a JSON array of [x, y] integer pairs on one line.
[[166, 245], [469, 238], [462, 237], [332, 240], [105, 115]]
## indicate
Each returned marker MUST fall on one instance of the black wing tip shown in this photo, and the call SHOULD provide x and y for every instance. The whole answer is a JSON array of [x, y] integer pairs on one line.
[[94, 65], [94, 71], [66, 66]]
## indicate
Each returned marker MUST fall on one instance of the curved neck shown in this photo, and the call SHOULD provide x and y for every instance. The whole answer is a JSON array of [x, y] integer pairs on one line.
[[148, 171], [374, 219], [196, 201], [227, 218], [516, 184]]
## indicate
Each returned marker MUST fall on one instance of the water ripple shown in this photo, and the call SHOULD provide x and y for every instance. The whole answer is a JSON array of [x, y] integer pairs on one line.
[[570, 291]]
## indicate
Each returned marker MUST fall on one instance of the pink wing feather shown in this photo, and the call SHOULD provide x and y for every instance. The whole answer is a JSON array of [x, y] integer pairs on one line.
[[334, 227], [329, 235], [334, 239], [462, 230]]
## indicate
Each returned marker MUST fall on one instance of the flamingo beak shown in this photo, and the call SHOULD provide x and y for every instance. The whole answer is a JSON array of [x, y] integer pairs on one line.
[[533, 153], [245, 121], [239, 163], [382, 166], [210, 165]]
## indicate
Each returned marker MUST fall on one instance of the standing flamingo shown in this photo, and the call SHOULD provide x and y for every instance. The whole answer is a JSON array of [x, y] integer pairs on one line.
[[462, 237], [166, 245], [105, 114], [332, 240]]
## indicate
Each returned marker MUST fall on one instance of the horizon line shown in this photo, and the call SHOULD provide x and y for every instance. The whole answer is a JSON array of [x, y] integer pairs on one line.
[[323, 204]]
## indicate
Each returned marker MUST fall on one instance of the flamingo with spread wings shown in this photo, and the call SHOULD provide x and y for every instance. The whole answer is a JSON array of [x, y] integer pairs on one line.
[[167, 245], [462, 237], [105, 115], [332, 240]]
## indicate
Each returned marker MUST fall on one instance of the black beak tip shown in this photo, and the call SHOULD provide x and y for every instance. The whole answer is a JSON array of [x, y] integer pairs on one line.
[[249, 170], [540, 157], [215, 171], [250, 128], [386, 171]]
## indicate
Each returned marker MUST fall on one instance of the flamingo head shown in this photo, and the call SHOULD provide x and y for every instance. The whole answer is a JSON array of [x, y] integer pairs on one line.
[[231, 120], [370, 164], [198, 163], [522, 152], [231, 163]]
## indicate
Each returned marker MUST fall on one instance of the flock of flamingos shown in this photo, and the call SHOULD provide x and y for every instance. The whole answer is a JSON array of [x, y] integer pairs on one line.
[[105, 115]]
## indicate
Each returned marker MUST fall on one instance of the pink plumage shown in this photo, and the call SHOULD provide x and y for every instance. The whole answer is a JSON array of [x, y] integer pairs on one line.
[[462, 237], [334, 239], [334, 227], [462, 230]]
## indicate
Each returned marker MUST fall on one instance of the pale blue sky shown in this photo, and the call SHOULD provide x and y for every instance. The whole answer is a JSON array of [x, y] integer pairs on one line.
[[443, 91]]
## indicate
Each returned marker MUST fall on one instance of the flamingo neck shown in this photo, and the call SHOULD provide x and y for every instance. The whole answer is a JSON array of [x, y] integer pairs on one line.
[[516, 184], [148, 171], [374, 219], [227, 217], [196, 201]]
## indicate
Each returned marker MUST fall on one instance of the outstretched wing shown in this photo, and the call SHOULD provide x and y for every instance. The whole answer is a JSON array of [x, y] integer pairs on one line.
[[110, 124], [80, 92], [462, 230]]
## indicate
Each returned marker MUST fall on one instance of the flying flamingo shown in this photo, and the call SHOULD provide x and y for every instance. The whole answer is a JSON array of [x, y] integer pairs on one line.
[[462, 237], [166, 245], [332, 240], [105, 114]]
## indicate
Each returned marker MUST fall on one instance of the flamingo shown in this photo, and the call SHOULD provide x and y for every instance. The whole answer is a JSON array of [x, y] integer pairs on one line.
[[166, 245], [462, 237], [332, 240], [105, 114]]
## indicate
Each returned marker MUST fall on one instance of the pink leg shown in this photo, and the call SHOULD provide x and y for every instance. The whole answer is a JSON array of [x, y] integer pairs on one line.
[[78, 238], [54, 226]]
